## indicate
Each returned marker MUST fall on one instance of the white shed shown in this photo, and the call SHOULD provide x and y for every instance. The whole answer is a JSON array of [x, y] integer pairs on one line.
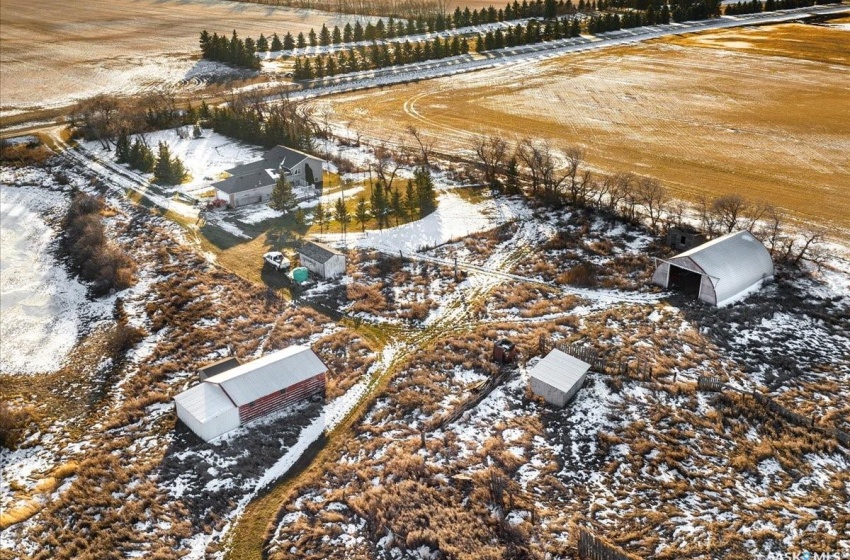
[[558, 377], [207, 410], [322, 260], [719, 272]]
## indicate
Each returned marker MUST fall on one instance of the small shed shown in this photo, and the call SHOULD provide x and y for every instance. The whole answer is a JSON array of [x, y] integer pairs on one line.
[[719, 272], [684, 238], [217, 367], [504, 351], [322, 260], [558, 377]]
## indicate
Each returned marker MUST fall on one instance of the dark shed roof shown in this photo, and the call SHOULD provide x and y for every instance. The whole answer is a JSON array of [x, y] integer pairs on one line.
[[317, 251], [219, 366], [247, 182], [256, 174]]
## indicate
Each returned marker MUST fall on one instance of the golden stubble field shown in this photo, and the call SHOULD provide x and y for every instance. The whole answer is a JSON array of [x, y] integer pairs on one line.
[[764, 112], [52, 53]]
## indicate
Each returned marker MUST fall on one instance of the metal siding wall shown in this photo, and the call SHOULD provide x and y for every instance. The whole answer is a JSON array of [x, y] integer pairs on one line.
[[662, 275], [277, 401]]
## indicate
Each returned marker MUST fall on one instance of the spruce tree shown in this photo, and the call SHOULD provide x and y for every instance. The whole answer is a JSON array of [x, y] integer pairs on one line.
[[336, 38], [325, 36], [410, 199], [301, 43], [397, 206], [361, 213], [320, 217], [342, 215], [347, 34], [358, 32], [313, 39], [162, 170], [283, 197], [262, 44], [425, 193], [122, 148]]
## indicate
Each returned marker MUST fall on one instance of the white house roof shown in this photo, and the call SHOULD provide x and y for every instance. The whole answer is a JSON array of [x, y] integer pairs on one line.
[[734, 262], [559, 370], [204, 401], [277, 371]]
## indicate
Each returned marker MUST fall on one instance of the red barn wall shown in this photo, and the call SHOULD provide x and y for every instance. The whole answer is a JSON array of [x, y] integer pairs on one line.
[[282, 399]]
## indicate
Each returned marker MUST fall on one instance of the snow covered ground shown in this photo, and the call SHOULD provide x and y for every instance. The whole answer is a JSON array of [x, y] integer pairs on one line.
[[41, 306]]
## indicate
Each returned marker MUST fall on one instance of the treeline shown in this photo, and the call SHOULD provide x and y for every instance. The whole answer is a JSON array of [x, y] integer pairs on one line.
[[555, 179], [377, 56], [92, 256], [756, 6], [233, 51], [386, 204], [380, 30], [285, 122]]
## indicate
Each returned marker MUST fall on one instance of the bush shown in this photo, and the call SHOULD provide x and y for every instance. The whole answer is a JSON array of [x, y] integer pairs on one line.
[[13, 425]]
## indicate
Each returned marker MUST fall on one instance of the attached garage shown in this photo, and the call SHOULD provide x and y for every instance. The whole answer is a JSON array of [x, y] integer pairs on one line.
[[719, 272], [558, 377], [245, 392]]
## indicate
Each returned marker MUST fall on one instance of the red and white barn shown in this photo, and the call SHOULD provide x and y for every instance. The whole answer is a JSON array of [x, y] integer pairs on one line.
[[229, 399]]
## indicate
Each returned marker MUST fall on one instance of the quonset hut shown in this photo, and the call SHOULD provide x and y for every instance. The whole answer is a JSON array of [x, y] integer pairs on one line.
[[719, 272], [225, 401]]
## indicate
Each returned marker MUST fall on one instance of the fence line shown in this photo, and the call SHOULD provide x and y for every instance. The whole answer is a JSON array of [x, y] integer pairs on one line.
[[628, 367], [592, 548], [715, 384]]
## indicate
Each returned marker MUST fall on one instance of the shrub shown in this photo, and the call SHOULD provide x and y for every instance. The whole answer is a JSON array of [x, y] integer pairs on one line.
[[13, 425]]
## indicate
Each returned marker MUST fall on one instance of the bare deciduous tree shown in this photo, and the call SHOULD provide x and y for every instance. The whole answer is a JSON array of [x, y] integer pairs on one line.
[[653, 197], [98, 117], [387, 164], [425, 146], [491, 152], [531, 155], [579, 183], [728, 210]]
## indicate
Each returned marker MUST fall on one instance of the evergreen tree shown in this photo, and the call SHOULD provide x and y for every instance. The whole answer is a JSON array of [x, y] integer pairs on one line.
[[168, 170], [336, 38], [122, 148], [262, 44], [358, 32], [141, 157], [347, 34], [427, 197], [301, 43], [321, 217], [288, 42], [206, 48], [410, 199], [397, 206], [324, 36], [361, 213], [512, 176], [283, 197], [479, 43], [342, 215], [313, 39]]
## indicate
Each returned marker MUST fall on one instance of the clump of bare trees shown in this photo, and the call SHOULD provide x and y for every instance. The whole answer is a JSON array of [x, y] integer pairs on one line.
[[92, 255], [558, 178]]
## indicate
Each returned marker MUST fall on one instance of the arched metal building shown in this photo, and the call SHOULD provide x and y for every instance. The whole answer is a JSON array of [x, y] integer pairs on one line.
[[719, 272]]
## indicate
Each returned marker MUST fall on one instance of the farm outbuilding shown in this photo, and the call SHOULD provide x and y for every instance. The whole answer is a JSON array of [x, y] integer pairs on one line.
[[558, 377], [322, 260], [719, 272], [248, 391]]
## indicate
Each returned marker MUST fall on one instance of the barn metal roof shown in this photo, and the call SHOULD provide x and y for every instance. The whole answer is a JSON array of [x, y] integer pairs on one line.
[[277, 371], [205, 401], [735, 263], [317, 251], [559, 370]]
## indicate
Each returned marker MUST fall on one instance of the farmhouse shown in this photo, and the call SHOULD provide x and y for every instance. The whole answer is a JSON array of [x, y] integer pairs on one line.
[[557, 377], [719, 272], [254, 182], [224, 401], [322, 260]]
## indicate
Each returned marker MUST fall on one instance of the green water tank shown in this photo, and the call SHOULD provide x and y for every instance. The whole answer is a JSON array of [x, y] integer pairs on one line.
[[299, 274]]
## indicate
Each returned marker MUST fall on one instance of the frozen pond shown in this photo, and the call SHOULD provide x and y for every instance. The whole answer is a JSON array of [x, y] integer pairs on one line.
[[39, 303]]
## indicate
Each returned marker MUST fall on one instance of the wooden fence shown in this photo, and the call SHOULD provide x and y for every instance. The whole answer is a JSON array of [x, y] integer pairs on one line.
[[471, 402], [628, 367], [592, 548], [713, 384]]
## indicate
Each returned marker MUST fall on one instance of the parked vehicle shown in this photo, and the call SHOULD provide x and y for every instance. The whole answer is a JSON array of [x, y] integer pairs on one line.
[[276, 260]]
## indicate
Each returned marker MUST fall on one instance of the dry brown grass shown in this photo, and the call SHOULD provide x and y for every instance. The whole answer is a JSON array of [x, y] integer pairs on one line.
[[762, 111]]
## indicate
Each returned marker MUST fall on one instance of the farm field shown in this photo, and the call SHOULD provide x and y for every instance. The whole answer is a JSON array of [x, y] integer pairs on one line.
[[53, 56], [763, 112]]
